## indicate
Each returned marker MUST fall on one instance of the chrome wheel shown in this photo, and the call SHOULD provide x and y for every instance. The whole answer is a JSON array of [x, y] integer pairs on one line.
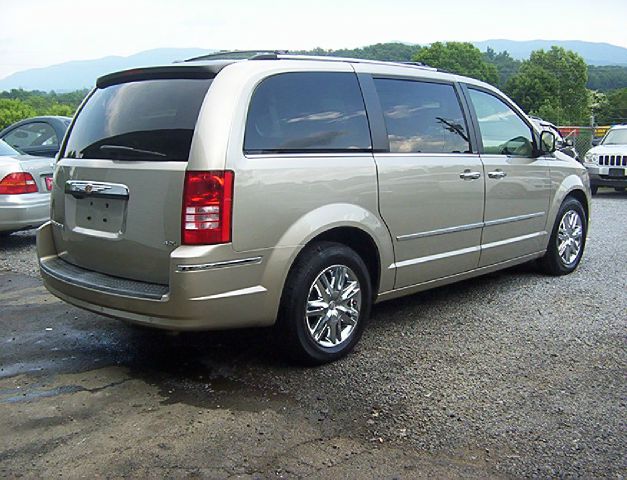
[[333, 306], [569, 237]]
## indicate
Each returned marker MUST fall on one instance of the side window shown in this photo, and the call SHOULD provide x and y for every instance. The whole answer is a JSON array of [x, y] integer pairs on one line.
[[32, 135], [422, 117], [307, 111], [503, 132]]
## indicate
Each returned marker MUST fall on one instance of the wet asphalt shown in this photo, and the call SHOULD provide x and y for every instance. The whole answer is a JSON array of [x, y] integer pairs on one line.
[[507, 376]]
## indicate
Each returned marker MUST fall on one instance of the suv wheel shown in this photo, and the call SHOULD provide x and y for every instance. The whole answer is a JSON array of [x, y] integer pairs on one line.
[[594, 189], [325, 305], [567, 240]]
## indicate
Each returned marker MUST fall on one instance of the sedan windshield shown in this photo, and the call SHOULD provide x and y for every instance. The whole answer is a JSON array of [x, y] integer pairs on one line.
[[6, 149], [616, 137]]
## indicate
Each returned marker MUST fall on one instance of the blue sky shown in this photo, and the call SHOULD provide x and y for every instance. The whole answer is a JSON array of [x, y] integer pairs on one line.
[[36, 33]]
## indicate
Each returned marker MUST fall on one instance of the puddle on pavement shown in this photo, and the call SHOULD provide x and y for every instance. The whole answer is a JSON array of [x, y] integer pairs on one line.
[[22, 395], [208, 386]]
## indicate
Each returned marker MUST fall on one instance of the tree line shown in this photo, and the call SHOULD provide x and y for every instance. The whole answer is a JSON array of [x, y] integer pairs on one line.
[[556, 85], [16, 105]]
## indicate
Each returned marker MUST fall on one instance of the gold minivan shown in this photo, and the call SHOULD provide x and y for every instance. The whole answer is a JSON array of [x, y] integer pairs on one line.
[[297, 191]]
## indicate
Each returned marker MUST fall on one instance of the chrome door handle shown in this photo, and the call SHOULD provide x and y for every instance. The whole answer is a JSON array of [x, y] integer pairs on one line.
[[468, 175], [497, 174]]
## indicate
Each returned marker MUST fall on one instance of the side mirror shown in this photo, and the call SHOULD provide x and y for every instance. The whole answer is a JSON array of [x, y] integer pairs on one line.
[[568, 142], [596, 141], [547, 141]]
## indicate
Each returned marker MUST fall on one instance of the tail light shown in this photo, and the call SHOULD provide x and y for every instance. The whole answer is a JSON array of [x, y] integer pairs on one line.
[[207, 206], [17, 183]]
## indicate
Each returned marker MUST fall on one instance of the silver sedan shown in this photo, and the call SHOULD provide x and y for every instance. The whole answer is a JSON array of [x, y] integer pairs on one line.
[[25, 184]]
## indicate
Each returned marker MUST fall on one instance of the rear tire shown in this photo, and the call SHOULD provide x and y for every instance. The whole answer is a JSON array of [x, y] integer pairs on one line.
[[325, 304], [567, 241], [620, 189], [594, 190]]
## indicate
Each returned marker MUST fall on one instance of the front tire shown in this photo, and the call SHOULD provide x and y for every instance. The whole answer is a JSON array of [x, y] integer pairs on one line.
[[568, 239], [325, 304]]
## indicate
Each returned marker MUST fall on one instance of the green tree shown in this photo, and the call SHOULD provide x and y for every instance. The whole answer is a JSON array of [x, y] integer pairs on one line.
[[608, 77], [18, 104], [458, 57], [12, 110], [391, 52], [507, 66], [612, 109], [552, 83]]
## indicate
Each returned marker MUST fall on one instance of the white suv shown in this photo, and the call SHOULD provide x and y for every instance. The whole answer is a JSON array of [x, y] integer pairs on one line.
[[607, 162]]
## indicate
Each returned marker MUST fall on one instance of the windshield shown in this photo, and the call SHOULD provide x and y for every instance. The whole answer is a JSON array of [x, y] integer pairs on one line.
[[6, 149], [616, 137], [142, 120]]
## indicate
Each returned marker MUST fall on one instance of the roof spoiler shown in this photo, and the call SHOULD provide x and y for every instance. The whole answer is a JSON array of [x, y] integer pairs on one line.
[[160, 73]]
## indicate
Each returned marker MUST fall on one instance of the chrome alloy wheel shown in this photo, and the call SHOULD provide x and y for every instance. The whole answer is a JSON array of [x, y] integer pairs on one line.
[[569, 237], [333, 306]]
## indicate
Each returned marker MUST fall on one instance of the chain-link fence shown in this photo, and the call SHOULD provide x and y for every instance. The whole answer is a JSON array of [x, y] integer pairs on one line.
[[582, 136]]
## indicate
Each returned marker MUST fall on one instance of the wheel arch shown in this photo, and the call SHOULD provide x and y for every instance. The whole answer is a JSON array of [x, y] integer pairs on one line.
[[359, 241], [570, 185]]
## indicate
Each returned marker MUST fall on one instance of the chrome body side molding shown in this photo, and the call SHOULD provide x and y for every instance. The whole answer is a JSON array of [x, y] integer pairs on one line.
[[470, 226], [214, 265]]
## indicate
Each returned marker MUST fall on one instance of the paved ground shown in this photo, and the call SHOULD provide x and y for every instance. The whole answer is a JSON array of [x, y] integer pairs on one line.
[[510, 375]]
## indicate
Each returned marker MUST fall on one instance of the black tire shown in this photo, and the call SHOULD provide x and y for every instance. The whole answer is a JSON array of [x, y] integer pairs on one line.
[[619, 189], [594, 189], [292, 324], [552, 263]]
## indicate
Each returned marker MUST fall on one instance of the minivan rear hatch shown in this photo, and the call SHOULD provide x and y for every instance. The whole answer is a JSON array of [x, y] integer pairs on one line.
[[119, 179]]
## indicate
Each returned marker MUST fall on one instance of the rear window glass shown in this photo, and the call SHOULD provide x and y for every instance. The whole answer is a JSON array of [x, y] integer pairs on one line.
[[143, 120], [307, 112]]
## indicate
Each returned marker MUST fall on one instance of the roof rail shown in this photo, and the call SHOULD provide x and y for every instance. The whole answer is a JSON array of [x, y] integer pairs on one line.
[[285, 55], [330, 58], [237, 55]]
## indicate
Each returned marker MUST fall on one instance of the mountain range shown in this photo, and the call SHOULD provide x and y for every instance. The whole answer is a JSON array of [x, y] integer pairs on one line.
[[80, 74]]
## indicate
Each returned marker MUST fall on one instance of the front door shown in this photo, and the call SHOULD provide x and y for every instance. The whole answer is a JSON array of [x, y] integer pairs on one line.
[[517, 183]]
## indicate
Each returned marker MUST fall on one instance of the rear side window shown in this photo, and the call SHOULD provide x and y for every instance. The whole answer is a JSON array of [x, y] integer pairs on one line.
[[422, 117], [143, 120], [307, 112]]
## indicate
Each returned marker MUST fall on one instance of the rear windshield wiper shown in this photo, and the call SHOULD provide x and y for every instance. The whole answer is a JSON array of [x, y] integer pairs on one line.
[[131, 149]]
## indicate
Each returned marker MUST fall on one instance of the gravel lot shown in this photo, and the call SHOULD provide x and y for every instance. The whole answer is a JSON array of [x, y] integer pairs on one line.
[[510, 375]]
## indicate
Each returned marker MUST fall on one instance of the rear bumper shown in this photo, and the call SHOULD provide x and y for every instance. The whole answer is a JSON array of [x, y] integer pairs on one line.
[[18, 212], [216, 295]]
